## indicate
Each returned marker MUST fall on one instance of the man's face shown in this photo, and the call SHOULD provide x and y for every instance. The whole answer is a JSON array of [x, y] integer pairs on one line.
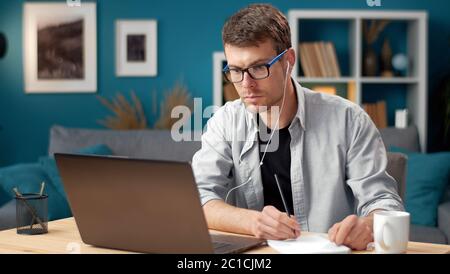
[[258, 95]]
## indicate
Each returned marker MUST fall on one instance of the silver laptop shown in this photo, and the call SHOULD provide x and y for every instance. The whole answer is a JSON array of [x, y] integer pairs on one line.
[[140, 205]]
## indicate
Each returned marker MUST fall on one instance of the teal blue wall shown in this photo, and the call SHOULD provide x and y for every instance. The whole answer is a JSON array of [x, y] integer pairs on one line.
[[188, 33]]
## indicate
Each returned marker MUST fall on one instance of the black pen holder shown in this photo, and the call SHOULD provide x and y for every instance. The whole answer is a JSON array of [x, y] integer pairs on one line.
[[32, 214]]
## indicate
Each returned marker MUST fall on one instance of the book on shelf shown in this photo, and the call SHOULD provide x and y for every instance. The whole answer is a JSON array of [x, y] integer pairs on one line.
[[374, 113], [304, 60], [322, 63], [351, 92], [377, 112], [313, 59], [319, 59], [382, 117], [334, 61], [327, 59]]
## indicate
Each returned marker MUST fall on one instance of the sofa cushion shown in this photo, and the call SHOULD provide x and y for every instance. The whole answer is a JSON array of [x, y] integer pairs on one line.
[[427, 234], [8, 215], [99, 149], [48, 163], [427, 178], [146, 144], [4, 197], [27, 178]]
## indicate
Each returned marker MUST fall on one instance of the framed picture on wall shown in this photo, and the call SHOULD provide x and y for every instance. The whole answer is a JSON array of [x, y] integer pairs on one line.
[[136, 48], [59, 48]]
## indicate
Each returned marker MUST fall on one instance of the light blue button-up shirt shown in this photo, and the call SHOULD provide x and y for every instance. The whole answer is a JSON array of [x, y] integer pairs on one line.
[[338, 161]]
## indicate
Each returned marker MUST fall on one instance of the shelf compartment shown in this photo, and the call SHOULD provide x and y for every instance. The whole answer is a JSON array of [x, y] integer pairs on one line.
[[346, 90], [329, 30]]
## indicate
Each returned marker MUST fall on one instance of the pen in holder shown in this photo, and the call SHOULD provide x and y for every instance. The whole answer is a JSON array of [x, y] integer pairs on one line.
[[31, 213]]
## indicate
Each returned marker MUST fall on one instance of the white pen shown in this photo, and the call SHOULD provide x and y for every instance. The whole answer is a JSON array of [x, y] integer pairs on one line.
[[42, 189]]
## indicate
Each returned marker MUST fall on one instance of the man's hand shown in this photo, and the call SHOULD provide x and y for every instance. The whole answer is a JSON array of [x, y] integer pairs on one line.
[[353, 232], [272, 224]]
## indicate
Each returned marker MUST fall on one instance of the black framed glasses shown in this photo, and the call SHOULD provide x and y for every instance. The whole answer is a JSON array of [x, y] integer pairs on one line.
[[257, 72]]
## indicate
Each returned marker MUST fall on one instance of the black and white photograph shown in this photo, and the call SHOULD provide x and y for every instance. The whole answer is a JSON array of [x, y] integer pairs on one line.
[[60, 48], [136, 48]]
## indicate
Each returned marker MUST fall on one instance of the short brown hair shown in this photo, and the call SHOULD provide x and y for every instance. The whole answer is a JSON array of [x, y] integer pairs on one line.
[[256, 24]]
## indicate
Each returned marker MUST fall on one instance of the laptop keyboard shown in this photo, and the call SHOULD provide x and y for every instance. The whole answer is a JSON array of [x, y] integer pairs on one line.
[[218, 245]]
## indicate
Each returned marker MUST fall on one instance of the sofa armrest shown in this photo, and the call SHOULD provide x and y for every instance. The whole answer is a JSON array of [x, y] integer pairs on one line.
[[444, 219], [407, 138], [396, 167]]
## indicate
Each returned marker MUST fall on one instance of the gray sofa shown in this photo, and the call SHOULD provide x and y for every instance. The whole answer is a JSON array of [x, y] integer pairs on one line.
[[408, 138], [158, 144]]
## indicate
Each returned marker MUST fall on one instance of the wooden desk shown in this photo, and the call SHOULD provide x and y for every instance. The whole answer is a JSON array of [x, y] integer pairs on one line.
[[63, 237]]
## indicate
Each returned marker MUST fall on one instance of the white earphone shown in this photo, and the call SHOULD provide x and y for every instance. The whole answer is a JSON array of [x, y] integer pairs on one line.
[[278, 119], [273, 131]]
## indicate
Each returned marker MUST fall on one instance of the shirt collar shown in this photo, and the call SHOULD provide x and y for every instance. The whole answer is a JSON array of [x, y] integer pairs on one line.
[[300, 115]]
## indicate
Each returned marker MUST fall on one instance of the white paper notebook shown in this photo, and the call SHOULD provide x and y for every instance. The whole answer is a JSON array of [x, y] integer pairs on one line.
[[308, 244]]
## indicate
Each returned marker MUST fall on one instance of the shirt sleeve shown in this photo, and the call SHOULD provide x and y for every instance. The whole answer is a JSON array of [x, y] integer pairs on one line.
[[212, 164], [372, 186]]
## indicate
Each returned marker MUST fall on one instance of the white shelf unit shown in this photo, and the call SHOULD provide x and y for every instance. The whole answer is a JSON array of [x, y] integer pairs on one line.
[[416, 47]]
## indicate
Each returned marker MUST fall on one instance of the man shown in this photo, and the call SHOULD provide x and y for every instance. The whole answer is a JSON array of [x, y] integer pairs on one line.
[[329, 156]]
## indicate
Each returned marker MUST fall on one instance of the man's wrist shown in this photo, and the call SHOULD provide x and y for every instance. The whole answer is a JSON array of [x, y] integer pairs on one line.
[[251, 218], [369, 218]]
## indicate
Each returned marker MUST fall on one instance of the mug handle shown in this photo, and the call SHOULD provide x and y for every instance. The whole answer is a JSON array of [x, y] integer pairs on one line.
[[380, 231]]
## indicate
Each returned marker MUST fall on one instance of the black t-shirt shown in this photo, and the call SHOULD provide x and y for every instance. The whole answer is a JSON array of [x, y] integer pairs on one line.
[[276, 162]]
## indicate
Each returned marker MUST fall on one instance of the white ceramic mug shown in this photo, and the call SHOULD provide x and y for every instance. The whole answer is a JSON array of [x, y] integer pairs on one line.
[[391, 231]]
